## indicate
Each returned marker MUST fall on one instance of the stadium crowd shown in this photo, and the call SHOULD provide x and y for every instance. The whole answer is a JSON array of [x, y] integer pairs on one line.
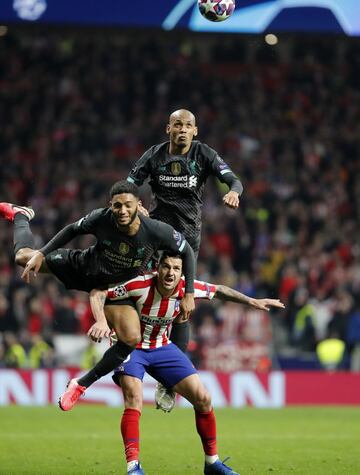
[[77, 112]]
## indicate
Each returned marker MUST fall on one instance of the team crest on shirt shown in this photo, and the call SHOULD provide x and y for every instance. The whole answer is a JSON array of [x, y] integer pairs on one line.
[[120, 291], [176, 168], [123, 248]]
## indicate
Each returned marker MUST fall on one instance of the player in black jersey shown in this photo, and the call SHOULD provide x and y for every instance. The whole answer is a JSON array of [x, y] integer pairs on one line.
[[126, 242], [178, 170]]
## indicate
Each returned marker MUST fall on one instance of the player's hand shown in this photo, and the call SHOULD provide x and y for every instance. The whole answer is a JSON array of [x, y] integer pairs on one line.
[[266, 304], [98, 331], [187, 306], [231, 199], [33, 265], [142, 210]]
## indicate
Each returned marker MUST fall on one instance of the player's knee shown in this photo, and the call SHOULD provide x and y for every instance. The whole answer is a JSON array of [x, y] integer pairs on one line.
[[22, 257], [132, 399], [131, 338], [203, 401]]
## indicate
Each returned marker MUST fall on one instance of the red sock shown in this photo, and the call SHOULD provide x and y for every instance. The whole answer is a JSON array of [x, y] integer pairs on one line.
[[130, 433], [206, 427]]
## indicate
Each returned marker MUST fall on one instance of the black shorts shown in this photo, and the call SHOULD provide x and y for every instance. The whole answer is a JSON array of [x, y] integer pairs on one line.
[[63, 264], [121, 302]]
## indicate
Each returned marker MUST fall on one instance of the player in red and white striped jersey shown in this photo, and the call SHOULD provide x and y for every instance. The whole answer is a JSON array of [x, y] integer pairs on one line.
[[155, 310], [157, 297]]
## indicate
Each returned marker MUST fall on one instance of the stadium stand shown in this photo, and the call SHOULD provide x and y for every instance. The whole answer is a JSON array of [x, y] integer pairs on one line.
[[76, 114]]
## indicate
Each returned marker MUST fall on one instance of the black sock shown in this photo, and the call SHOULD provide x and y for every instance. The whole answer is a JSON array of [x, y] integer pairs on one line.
[[23, 236], [112, 358], [180, 335]]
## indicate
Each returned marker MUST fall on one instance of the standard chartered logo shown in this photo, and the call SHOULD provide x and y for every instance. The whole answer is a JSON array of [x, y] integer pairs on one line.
[[183, 181], [192, 181]]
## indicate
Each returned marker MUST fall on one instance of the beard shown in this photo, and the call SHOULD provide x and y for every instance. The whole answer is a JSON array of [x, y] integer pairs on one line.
[[132, 218]]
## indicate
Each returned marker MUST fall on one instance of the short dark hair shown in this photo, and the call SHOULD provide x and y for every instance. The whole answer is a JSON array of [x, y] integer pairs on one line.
[[166, 254], [124, 186]]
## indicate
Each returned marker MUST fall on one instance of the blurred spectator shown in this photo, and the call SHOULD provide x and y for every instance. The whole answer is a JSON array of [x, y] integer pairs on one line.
[[15, 355], [90, 356], [331, 352], [41, 354]]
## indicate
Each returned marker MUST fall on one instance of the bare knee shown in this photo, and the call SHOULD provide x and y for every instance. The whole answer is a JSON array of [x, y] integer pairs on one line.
[[202, 402], [132, 396], [130, 338], [23, 256]]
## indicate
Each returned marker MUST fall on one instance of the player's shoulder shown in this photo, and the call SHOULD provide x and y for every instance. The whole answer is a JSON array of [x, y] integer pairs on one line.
[[133, 286], [96, 214], [154, 225], [157, 149], [144, 280], [203, 149]]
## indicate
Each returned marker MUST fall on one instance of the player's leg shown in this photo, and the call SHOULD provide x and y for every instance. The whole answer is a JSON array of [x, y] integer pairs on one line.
[[130, 422], [129, 376], [195, 392], [180, 336], [23, 238], [125, 321]]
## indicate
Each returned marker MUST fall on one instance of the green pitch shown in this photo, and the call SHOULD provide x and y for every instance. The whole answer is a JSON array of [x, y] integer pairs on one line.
[[308, 441]]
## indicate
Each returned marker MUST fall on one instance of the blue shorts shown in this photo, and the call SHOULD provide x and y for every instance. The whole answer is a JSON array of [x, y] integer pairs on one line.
[[166, 364]]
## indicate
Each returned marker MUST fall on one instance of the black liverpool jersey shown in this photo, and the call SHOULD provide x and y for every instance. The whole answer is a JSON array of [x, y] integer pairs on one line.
[[177, 183], [116, 257]]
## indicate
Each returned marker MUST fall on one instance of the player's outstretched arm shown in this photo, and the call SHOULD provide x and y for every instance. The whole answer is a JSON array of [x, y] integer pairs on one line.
[[100, 328], [231, 295]]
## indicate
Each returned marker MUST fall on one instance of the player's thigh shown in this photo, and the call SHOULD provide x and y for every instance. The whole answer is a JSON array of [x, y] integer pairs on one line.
[[192, 389], [124, 319], [132, 391]]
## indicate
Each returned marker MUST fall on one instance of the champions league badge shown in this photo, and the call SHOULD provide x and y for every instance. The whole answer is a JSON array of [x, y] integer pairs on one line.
[[120, 291]]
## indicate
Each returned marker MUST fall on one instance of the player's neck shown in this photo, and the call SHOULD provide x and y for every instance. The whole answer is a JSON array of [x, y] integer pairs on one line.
[[132, 229], [175, 150]]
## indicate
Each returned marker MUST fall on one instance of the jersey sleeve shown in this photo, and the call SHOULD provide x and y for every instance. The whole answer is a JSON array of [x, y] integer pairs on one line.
[[168, 238], [219, 168], [141, 170], [86, 225], [203, 290], [126, 290], [89, 223]]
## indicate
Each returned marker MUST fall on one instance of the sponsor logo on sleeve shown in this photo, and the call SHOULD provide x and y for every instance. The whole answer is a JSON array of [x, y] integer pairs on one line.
[[178, 238], [207, 289]]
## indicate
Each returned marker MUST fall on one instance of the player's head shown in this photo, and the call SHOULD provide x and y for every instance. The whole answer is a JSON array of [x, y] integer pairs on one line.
[[181, 129], [169, 271], [124, 200]]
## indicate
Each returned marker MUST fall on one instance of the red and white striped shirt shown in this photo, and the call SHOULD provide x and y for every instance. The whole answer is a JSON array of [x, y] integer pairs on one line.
[[155, 311]]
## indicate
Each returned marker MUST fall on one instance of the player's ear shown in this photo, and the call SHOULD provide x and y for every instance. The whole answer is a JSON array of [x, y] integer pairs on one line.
[[195, 131], [168, 129]]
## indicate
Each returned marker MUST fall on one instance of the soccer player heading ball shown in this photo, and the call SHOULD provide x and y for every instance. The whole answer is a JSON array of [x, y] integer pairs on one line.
[[178, 170]]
